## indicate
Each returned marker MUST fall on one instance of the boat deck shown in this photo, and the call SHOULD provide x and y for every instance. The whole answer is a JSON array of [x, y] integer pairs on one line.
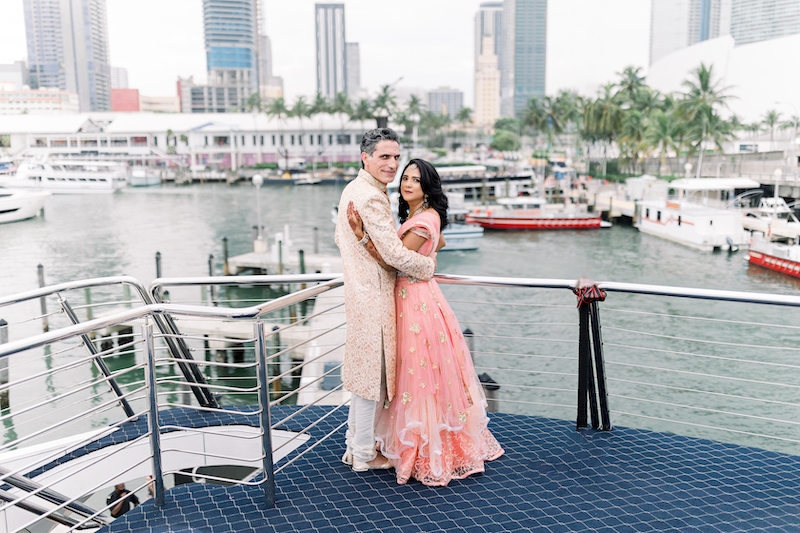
[[552, 478]]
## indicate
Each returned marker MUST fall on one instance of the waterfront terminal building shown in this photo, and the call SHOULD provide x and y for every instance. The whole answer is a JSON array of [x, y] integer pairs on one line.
[[224, 142]]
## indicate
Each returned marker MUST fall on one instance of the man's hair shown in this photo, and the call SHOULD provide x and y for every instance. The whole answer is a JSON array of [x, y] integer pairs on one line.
[[371, 139]]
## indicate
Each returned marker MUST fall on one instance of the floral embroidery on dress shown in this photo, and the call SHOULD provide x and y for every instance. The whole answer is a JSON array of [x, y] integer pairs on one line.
[[423, 364], [411, 371], [434, 366], [422, 385], [415, 328], [449, 405], [406, 397], [403, 293], [435, 315], [442, 337], [412, 350], [423, 307], [462, 417], [416, 307]]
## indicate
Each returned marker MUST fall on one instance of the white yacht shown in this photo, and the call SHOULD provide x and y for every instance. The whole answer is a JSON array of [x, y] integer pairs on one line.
[[696, 215], [16, 204], [68, 176]]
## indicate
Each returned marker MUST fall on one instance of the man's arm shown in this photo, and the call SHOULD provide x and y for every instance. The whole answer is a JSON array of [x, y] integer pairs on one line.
[[378, 222]]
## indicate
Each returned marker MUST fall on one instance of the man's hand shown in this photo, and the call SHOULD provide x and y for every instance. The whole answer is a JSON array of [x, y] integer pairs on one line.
[[354, 219]]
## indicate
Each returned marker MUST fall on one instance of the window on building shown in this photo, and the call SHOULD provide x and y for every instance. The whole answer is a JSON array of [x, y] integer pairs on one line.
[[311, 140], [292, 140], [119, 141], [300, 140], [222, 141], [155, 140], [646, 213], [273, 140], [342, 139], [281, 140], [262, 140], [206, 140], [330, 139], [254, 141], [319, 139], [138, 141], [243, 140], [41, 141], [679, 220], [658, 216]]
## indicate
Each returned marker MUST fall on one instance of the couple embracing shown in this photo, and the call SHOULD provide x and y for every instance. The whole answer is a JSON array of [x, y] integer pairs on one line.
[[416, 403]]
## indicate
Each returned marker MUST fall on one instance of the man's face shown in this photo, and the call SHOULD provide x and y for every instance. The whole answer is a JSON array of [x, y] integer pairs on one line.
[[383, 162]]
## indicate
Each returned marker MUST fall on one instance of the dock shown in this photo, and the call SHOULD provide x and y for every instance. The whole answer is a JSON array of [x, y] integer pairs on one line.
[[267, 263]]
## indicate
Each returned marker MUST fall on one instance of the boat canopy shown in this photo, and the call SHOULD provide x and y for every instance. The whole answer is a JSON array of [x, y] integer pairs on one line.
[[713, 184]]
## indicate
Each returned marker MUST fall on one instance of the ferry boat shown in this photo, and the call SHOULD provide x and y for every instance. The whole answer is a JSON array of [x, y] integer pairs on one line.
[[781, 257], [696, 215], [532, 213], [218, 463], [17, 204], [68, 176]]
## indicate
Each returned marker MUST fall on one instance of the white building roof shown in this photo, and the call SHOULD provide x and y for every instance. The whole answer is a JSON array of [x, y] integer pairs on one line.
[[33, 123], [713, 184]]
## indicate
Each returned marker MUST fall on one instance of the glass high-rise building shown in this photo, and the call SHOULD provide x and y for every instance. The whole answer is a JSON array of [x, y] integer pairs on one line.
[[353, 70], [760, 20], [522, 71], [68, 49], [489, 23], [331, 51], [676, 24]]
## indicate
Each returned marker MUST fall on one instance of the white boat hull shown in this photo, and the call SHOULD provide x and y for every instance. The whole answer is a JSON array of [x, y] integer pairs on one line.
[[784, 258], [462, 237], [20, 205], [693, 225]]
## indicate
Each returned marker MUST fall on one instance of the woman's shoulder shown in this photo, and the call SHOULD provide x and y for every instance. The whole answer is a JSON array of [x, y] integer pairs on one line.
[[432, 216]]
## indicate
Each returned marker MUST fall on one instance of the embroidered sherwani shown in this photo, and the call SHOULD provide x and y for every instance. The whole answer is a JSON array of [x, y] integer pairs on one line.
[[369, 288]]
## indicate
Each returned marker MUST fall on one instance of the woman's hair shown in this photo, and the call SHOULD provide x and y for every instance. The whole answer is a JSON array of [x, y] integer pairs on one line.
[[431, 185]]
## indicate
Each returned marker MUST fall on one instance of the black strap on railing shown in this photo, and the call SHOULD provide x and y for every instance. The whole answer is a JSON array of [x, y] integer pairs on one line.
[[98, 360], [592, 392]]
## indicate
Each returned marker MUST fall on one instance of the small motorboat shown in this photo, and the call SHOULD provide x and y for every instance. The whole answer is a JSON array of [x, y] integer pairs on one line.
[[17, 204], [781, 257]]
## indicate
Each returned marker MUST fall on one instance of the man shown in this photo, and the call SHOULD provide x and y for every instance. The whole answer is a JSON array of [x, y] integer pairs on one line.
[[125, 498], [369, 355]]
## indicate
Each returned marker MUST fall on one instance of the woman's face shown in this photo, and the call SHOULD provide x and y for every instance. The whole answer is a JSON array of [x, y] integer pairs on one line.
[[411, 186]]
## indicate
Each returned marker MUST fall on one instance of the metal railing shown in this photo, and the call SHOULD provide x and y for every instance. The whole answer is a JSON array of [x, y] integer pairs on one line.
[[706, 363]]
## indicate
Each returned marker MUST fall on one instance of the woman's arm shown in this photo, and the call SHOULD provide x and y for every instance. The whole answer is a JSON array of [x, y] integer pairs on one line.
[[441, 243]]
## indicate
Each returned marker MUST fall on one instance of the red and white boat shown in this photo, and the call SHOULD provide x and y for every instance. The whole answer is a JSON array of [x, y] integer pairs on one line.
[[776, 256], [528, 212]]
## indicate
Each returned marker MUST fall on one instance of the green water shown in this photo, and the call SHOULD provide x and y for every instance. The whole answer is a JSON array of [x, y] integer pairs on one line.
[[94, 236]]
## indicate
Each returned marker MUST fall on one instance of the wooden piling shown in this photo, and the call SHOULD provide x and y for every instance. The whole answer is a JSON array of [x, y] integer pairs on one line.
[[225, 269], [4, 403], [211, 274], [43, 300], [158, 264], [316, 240]]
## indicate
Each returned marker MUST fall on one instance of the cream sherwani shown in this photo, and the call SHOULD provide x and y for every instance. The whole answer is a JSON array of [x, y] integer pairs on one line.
[[369, 288]]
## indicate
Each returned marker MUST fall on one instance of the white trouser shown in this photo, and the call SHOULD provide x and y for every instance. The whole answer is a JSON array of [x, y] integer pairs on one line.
[[360, 435]]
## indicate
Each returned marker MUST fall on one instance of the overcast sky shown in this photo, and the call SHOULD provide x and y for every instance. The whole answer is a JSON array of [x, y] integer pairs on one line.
[[427, 43]]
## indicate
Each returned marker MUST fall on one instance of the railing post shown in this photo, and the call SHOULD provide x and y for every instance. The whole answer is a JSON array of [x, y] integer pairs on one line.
[[43, 300], [152, 413], [599, 364], [583, 371], [263, 400]]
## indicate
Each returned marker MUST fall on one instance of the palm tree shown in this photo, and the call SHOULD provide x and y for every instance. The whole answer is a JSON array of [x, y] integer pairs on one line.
[[341, 106], [362, 111], [630, 83], [700, 104], [603, 119], [383, 107], [632, 138], [663, 132], [276, 108], [319, 107], [301, 110], [771, 121], [253, 103]]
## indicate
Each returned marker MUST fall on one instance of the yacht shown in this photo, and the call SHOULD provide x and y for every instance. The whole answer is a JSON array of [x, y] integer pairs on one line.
[[533, 213], [18, 204], [696, 214], [68, 176]]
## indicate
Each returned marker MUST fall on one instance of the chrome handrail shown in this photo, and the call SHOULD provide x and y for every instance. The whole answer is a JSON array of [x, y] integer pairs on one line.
[[74, 285]]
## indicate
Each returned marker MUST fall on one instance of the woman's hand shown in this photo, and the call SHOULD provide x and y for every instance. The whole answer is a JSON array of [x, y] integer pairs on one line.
[[354, 219]]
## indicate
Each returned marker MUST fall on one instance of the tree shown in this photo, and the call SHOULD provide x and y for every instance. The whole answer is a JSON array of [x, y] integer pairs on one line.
[[341, 106], [602, 119], [699, 107], [464, 116], [504, 141], [508, 124], [362, 111], [383, 106], [662, 132], [633, 140], [253, 103], [630, 84], [277, 109], [771, 121], [301, 110]]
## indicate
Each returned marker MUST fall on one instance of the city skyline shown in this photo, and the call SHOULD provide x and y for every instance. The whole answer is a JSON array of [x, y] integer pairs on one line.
[[588, 42]]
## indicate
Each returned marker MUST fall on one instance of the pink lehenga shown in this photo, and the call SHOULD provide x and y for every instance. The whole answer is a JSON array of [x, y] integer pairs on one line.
[[435, 428]]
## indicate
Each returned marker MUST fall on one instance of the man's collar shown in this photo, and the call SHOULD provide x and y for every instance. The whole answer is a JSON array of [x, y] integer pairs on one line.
[[369, 178]]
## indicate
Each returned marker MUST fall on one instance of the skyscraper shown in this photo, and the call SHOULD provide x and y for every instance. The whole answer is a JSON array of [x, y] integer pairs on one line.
[[675, 24], [522, 72], [331, 56], [489, 23], [487, 85], [760, 20], [68, 49], [232, 45], [353, 61], [445, 101], [119, 78]]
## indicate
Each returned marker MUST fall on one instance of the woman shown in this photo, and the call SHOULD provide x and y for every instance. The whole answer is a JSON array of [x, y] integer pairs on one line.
[[435, 428]]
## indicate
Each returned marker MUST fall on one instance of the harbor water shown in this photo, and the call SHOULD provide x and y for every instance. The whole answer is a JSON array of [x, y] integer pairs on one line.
[[105, 235]]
